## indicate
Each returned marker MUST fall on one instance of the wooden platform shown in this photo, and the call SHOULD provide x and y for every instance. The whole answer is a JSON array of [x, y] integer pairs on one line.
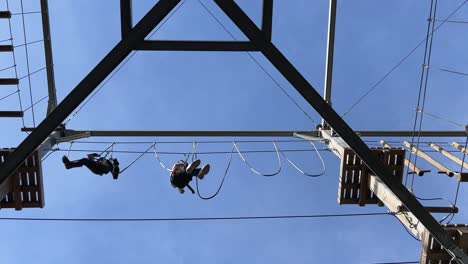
[[6, 48], [26, 186], [432, 252], [9, 81], [354, 175]]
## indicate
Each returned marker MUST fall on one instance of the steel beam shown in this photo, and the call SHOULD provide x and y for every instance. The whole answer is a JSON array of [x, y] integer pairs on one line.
[[169, 133], [126, 22], [269, 50], [160, 10], [175, 45], [330, 52], [49, 59], [267, 18]]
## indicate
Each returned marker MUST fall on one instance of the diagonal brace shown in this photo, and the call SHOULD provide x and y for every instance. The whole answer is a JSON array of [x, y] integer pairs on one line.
[[86, 86], [271, 52]]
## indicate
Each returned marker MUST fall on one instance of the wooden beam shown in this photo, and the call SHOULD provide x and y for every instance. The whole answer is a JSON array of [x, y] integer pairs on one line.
[[459, 147], [6, 48], [9, 81], [11, 114], [394, 205], [5, 14], [449, 155], [420, 153]]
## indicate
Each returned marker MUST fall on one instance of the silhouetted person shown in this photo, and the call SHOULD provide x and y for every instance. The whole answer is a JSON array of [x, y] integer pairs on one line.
[[98, 165], [182, 174]]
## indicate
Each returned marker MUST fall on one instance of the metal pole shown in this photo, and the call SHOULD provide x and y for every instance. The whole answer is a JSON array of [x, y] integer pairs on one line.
[[330, 52], [160, 10], [52, 102], [271, 52], [267, 18]]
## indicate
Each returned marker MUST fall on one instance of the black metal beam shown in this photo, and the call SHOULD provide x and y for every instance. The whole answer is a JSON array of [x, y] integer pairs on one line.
[[267, 18], [248, 27], [52, 101], [176, 45], [160, 10], [126, 22]]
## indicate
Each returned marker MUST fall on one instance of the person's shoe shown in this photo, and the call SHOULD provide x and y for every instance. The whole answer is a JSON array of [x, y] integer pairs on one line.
[[181, 191], [192, 166], [204, 171], [116, 162], [66, 162]]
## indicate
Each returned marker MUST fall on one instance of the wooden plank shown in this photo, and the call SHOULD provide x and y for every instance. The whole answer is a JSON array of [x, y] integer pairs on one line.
[[449, 155], [6, 48], [5, 14], [11, 114], [9, 81]]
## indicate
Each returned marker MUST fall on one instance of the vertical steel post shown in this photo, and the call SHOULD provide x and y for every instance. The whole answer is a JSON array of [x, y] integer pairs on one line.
[[330, 52]]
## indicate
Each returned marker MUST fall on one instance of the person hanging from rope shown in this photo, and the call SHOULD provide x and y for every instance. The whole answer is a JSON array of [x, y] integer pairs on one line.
[[182, 173], [95, 163]]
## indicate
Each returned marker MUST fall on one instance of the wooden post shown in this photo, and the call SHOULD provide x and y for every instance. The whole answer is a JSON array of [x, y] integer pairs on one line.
[[408, 163], [420, 153], [459, 147]]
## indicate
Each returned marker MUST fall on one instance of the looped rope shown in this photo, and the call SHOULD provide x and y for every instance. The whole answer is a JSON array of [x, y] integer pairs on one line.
[[254, 170], [159, 159], [69, 148], [108, 150], [324, 166], [222, 181]]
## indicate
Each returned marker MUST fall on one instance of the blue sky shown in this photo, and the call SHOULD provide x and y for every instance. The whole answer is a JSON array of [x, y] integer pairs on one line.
[[228, 91]]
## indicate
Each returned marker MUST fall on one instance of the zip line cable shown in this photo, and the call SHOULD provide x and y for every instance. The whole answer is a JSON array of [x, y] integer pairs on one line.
[[422, 87], [254, 170], [377, 84], [258, 63], [14, 63], [27, 66], [189, 219], [127, 59], [442, 118]]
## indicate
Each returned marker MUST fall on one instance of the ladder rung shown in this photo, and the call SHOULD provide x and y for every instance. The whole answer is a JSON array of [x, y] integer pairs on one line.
[[9, 81], [11, 114], [5, 14], [6, 48]]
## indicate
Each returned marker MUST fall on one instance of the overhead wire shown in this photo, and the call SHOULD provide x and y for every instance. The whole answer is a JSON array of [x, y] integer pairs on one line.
[[441, 118], [35, 103], [27, 65], [190, 219], [26, 13], [385, 76], [190, 153], [14, 63], [6, 96], [125, 61], [7, 68], [454, 72], [258, 63], [32, 73], [29, 43]]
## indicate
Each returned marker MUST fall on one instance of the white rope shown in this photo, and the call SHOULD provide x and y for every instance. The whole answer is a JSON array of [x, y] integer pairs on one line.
[[324, 167], [254, 170], [159, 159]]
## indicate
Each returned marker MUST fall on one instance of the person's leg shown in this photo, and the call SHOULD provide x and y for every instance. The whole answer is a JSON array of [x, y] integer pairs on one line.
[[192, 166], [75, 163], [195, 172], [204, 171]]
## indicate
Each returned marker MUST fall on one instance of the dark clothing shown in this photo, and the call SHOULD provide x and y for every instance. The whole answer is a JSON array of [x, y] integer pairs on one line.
[[182, 179], [97, 166]]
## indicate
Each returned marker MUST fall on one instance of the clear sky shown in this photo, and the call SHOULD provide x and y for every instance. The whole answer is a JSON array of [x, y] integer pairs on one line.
[[228, 91]]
